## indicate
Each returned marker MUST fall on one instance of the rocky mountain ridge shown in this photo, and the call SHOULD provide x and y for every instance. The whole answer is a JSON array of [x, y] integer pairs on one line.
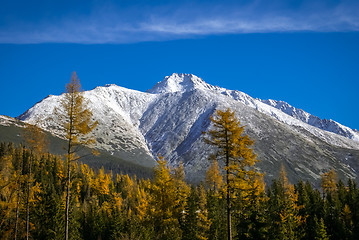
[[169, 120]]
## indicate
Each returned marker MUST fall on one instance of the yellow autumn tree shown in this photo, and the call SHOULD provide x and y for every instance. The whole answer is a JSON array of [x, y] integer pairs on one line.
[[235, 149], [203, 222], [35, 138], [142, 200], [8, 195], [101, 184], [329, 182], [182, 191], [214, 178], [76, 121], [36, 141], [164, 203]]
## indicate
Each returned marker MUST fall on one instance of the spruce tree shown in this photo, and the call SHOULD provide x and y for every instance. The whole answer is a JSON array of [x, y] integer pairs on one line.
[[285, 220], [190, 227], [320, 230]]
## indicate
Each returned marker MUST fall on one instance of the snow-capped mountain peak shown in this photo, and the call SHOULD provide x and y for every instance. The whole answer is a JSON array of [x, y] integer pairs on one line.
[[169, 120], [181, 83]]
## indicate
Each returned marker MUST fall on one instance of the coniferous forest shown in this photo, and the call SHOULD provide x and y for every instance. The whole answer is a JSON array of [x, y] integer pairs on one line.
[[104, 206], [45, 196]]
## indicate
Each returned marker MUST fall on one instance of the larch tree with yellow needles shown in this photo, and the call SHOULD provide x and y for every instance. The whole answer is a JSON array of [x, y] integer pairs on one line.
[[76, 120], [234, 148], [36, 141]]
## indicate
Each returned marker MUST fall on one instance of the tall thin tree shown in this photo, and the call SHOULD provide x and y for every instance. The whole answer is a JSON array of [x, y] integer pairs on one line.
[[77, 122], [36, 141], [234, 149]]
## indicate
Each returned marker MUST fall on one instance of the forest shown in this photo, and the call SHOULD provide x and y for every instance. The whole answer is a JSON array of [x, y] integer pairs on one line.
[[47, 196], [104, 206]]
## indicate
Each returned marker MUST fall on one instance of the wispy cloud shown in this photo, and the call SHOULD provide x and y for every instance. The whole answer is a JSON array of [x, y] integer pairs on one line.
[[114, 24]]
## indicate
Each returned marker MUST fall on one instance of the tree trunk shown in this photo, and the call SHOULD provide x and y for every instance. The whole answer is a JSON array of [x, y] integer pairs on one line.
[[229, 219], [69, 158], [67, 200], [17, 214], [28, 200]]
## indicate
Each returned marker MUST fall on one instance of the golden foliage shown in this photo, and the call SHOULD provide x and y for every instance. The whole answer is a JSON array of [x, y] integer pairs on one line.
[[214, 178], [329, 181], [35, 138], [75, 116], [233, 147], [289, 213]]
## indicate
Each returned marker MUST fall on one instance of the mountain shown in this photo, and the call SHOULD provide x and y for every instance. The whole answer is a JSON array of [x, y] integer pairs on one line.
[[169, 120], [328, 125], [12, 130]]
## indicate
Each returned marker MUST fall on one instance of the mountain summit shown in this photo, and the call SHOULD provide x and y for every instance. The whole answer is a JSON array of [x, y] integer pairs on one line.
[[169, 120], [181, 83]]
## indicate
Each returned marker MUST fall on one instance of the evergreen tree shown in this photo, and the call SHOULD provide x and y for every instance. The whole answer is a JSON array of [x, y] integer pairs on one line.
[[285, 220], [320, 230], [216, 208], [196, 222], [312, 207], [353, 202], [190, 227]]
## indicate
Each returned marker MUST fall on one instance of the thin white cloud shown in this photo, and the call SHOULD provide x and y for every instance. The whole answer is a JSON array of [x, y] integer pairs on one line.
[[157, 23]]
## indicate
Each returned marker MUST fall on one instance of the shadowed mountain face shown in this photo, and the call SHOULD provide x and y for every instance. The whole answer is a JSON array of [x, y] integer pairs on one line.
[[169, 120], [12, 130]]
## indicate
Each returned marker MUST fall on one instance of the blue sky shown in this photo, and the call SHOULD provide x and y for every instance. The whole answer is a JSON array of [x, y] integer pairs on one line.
[[303, 52]]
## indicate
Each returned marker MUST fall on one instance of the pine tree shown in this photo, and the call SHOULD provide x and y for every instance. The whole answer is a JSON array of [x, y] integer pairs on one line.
[[190, 227], [235, 150], [77, 122], [312, 206], [216, 208], [196, 223]]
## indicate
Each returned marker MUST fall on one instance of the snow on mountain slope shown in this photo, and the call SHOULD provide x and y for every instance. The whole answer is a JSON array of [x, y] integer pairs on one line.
[[328, 125], [181, 83], [7, 121], [116, 109], [188, 82], [174, 123], [169, 120]]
